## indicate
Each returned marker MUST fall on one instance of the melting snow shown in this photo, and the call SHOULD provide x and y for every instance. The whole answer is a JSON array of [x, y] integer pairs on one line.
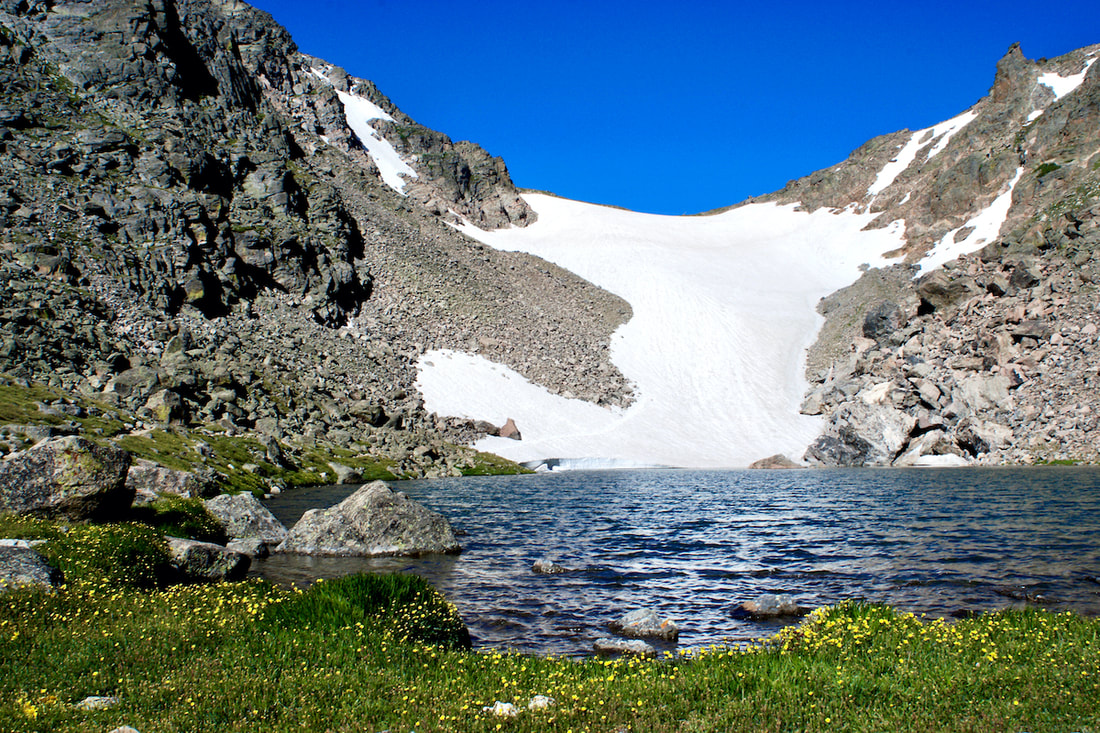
[[941, 134], [359, 111], [987, 225], [724, 309], [1060, 85]]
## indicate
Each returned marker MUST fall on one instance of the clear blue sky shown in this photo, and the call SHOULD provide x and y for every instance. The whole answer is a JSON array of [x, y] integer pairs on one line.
[[678, 108]]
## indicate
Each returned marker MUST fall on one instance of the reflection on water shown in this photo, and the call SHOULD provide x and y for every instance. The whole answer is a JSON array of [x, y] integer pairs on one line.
[[694, 543]]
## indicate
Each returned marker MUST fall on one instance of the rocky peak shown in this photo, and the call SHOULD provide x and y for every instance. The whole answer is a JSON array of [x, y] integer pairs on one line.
[[1032, 139]]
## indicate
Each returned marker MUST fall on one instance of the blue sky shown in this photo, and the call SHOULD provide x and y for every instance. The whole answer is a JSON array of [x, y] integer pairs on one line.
[[677, 108]]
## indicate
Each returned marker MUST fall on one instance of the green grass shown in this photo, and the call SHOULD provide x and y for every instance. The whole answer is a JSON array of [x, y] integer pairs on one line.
[[1046, 168], [385, 653], [488, 464]]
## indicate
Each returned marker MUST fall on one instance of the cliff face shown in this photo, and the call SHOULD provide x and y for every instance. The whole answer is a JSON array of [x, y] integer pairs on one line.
[[982, 346], [196, 214]]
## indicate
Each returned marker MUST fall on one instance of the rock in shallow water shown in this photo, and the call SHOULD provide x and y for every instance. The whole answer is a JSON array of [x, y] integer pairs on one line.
[[645, 624], [767, 606], [372, 521]]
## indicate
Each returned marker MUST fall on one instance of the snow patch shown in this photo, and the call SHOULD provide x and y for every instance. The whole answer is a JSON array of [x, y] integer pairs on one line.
[[1063, 85], [944, 131], [986, 227], [724, 310], [1060, 85], [940, 134], [359, 111]]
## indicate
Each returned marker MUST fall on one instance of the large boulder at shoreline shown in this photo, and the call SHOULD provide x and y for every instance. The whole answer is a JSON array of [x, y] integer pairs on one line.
[[645, 624], [862, 434], [245, 518], [206, 562], [21, 566], [372, 521], [67, 477]]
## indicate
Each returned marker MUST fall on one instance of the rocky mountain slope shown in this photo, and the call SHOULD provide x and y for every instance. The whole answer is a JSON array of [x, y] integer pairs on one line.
[[202, 230], [217, 250], [981, 344]]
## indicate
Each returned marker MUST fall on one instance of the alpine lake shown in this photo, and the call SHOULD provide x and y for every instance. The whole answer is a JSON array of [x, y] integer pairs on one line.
[[692, 544]]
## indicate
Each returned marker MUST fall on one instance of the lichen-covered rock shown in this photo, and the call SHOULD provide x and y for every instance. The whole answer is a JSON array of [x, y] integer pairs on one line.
[[22, 566], [206, 562], [67, 477], [372, 521], [149, 480], [245, 518]]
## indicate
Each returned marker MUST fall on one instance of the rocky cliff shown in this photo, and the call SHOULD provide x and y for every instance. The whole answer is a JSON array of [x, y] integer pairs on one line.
[[981, 343], [205, 230]]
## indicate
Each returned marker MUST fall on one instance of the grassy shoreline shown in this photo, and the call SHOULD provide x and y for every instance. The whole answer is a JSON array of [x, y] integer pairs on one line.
[[373, 653]]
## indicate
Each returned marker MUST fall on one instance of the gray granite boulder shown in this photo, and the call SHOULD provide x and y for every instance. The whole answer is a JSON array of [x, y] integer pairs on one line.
[[862, 434], [645, 624], [372, 521], [613, 647], [245, 518], [22, 566], [149, 480], [206, 562], [67, 477]]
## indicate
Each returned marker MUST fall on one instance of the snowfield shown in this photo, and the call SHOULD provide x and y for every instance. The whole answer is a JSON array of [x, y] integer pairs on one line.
[[724, 310]]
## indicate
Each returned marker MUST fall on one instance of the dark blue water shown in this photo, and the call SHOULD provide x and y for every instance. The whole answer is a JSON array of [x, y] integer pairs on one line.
[[694, 543]]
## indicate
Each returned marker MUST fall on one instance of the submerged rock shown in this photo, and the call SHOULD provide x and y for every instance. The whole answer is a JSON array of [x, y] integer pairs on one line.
[[545, 566], [372, 521]]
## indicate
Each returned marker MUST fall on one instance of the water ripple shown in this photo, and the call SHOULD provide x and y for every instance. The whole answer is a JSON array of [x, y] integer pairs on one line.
[[694, 543]]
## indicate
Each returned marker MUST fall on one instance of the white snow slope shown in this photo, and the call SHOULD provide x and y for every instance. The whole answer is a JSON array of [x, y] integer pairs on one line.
[[723, 315], [359, 111]]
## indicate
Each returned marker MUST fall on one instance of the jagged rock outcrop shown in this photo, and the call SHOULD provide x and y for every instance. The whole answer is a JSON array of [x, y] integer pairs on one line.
[[1021, 140], [1004, 374]]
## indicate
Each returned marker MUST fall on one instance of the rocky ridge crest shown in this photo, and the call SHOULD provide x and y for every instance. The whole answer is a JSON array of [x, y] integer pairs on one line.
[[991, 357]]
